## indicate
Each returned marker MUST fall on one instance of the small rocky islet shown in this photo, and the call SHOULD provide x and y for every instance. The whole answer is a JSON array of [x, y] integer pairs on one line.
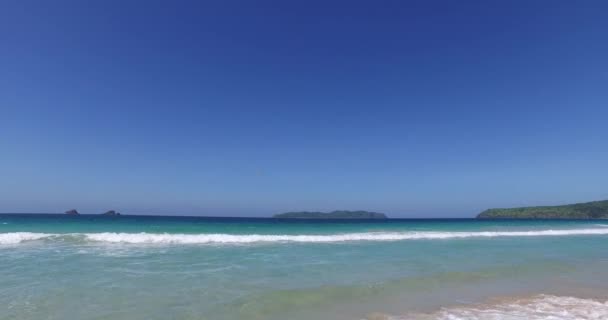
[[75, 212], [338, 214]]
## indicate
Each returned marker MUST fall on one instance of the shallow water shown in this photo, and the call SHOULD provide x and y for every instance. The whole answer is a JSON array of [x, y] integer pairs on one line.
[[129, 267]]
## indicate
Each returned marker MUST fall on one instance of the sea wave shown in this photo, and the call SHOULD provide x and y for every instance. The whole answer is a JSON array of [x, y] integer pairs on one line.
[[541, 307], [168, 238], [18, 237]]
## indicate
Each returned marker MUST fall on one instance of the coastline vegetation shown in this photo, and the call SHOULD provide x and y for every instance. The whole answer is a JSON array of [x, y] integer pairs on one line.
[[586, 210]]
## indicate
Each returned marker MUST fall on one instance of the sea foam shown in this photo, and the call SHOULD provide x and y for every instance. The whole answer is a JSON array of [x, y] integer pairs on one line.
[[541, 307], [18, 237], [168, 238]]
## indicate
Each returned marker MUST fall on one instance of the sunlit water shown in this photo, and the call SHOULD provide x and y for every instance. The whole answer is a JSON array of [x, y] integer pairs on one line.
[[93, 267]]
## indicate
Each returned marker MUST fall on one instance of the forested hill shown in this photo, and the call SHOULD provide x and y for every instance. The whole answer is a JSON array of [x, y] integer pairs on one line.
[[586, 210]]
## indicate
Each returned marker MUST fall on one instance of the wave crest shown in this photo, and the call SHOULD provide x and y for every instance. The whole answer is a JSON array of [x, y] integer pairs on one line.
[[541, 307], [18, 237], [167, 238]]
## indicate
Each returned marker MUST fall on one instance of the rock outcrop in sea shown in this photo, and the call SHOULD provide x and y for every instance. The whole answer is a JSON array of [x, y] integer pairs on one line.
[[72, 212], [111, 213], [338, 214]]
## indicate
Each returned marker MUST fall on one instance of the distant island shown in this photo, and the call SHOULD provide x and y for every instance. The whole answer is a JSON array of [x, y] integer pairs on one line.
[[74, 212], [342, 214], [586, 210]]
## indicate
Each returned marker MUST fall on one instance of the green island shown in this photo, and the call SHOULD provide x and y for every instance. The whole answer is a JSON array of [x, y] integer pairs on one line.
[[586, 210], [340, 214]]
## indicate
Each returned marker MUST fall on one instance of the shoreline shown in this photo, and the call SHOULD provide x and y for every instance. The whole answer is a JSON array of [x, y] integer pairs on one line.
[[528, 306]]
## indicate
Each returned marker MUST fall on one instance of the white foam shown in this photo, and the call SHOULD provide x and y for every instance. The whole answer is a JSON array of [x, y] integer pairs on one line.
[[542, 307], [168, 238], [370, 236], [18, 237]]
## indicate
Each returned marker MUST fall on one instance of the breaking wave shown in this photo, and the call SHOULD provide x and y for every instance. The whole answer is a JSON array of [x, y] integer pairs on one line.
[[168, 238], [541, 307], [18, 237]]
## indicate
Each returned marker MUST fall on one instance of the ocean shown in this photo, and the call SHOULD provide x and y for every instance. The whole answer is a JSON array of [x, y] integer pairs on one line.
[[146, 267]]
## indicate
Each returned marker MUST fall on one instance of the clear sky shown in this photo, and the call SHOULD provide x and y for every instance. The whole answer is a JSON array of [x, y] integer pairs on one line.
[[412, 108]]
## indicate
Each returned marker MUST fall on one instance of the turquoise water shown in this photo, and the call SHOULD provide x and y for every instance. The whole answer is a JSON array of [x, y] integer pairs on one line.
[[129, 267]]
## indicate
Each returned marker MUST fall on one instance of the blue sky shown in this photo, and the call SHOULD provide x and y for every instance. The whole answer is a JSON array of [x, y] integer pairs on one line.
[[413, 108]]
